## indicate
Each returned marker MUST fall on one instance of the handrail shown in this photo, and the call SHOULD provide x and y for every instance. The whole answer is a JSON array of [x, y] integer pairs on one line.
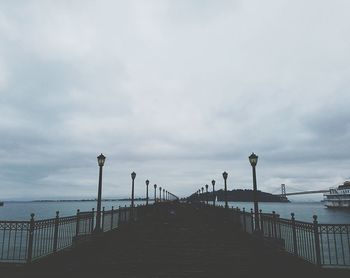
[[325, 245], [25, 241]]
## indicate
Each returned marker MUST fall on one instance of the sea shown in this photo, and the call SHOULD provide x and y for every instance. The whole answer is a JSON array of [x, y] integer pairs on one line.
[[304, 211]]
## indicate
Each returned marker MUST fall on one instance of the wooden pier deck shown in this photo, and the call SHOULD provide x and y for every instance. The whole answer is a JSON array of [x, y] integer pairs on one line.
[[176, 241]]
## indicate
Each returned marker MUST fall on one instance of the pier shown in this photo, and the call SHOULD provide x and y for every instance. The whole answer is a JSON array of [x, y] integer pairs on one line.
[[173, 239]]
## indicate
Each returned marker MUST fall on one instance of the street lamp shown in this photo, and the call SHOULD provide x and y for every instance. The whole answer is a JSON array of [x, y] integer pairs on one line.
[[160, 194], [224, 175], [206, 193], [133, 176], [147, 183], [253, 159], [155, 193], [213, 183], [101, 161]]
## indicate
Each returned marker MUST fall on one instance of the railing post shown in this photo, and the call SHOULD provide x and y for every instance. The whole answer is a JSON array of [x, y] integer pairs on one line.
[[119, 215], [252, 219], [244, 221], [295, 244], [235, 213], [55, 235], [103, 219], [261, 222], [137, 212], [274, 224], [92, 220], [112, 218], [317, 241], [269, 228], [30, 238], [77, 227]]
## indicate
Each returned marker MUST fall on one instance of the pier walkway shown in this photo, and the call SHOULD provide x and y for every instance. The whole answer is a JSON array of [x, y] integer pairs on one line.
[[173, 240]]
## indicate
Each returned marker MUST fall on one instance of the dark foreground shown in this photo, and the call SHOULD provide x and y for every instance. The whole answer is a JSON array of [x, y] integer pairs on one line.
[[177, 241]]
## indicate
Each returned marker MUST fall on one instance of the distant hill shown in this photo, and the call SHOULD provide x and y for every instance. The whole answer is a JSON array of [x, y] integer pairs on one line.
[[240, 195], [92, 200]]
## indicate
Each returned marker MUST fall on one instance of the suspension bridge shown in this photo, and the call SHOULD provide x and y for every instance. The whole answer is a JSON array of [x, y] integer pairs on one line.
[[284, 192]]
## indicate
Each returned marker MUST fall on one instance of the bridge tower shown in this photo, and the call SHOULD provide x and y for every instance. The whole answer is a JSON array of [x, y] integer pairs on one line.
[[283, 190]]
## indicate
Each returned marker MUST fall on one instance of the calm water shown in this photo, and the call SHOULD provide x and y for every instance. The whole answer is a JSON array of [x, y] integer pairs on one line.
[[44, 210], [303, 210]]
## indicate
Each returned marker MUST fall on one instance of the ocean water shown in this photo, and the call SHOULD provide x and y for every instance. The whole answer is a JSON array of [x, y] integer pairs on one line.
[[44, 210], [303, 210]]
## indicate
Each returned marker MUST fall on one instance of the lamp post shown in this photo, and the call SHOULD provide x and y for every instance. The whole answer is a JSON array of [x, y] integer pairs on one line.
[[101, 161], [253, 159], [206, 193], [160, 194], [213, 183], [163, 194], [133, 176], [224, 175], [155, 193], [147, 183]]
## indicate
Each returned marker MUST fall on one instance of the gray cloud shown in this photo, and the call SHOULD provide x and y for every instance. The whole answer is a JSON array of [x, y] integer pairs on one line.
[[178, 91]]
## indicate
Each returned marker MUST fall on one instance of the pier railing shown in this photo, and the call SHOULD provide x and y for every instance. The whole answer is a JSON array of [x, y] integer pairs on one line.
[[25, 241], [326, 245]]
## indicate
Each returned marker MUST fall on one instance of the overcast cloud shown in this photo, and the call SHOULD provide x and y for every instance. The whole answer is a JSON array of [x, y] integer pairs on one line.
[[177, 91]]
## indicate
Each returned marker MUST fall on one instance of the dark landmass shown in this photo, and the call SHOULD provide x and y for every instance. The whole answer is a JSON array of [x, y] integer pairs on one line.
[[92, 200], [136, 199], [239, 195]]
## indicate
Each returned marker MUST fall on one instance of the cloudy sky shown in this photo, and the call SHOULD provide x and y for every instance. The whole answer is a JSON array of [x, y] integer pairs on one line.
[[177, 91]]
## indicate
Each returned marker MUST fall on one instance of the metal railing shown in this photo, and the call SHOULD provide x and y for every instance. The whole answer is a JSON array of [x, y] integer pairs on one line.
[[326, 245], [14, 240], [25, 241]]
